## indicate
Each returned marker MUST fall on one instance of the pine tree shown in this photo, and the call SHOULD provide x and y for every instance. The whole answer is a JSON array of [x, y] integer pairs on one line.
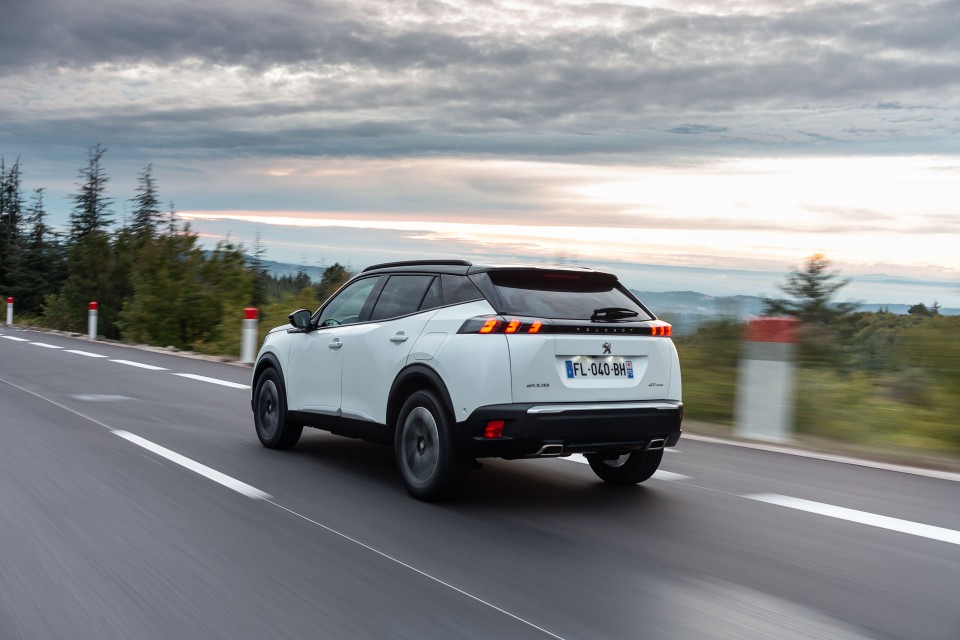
[[146, 206], [40, 269], [261, 279], [91, 206], [811, 288], [11, 211]]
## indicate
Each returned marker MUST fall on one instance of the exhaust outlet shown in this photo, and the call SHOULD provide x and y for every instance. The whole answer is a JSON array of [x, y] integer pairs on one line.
[[550, 450], [656, 444]]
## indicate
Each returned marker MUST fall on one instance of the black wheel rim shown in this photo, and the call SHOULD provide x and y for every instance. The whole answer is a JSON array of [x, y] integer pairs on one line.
[[268, 409], [420, 446]]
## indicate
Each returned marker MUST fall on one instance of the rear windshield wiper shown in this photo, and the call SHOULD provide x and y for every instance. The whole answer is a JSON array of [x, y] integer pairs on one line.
[[613, 313]]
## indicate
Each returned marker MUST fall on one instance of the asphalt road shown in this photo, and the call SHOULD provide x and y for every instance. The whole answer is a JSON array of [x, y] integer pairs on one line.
[[137, 503]]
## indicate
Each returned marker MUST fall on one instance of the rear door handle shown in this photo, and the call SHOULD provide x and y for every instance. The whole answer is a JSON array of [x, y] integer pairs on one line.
[[335, 344], [399, 337]]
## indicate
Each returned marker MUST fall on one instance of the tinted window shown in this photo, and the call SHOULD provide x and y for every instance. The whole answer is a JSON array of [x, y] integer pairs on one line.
[[401, 296], [432, 299], [457, 289], [560, 295], [346, 306]]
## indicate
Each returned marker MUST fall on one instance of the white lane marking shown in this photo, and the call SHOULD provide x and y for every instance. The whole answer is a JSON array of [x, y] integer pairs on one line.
[[205, 471], [16, 339], [85, 353], [96, 397], [861, 517], [420, 572], [671, 450], [44, 344], [141, 365], [658, 475], [829, 457], [196, 467], [225, 383]]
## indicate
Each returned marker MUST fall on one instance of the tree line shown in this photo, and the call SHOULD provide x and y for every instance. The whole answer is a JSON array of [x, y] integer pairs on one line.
[[152, 280]]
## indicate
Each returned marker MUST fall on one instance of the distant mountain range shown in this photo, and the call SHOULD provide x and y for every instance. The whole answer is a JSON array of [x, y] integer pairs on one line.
[[685, 310]]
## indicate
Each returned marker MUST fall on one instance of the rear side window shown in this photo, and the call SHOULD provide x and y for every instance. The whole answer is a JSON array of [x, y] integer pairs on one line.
[[432, 299], [457, 289], [401, 296], [561, 295]]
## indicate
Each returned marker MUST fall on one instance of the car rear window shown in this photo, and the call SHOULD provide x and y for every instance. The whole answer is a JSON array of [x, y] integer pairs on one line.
[[561, 294]]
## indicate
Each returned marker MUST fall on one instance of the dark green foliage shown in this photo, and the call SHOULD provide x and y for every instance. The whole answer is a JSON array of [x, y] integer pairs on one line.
[[332, 279], [11, 213], [90, 265], [261, 279], [40, 267], [91, 206], [146, 215], [810, 290]]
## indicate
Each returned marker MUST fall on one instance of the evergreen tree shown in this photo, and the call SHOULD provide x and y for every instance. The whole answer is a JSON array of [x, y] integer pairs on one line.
[[811, 288], [91, 206], [146, 206], [332, 279], [89, 278], [261, 279], [40, 269], [11, 211]]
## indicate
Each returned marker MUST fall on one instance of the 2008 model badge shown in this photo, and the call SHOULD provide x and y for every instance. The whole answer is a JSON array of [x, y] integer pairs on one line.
[[606, 348]]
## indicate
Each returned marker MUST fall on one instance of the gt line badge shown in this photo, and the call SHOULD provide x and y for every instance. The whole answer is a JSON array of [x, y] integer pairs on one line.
[[606, 348]]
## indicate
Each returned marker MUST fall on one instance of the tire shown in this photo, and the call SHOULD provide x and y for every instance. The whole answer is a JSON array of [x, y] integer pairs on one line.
[[631, 468], [270, 413], [424, 451]]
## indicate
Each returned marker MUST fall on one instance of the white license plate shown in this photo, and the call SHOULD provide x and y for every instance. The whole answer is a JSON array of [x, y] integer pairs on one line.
[[587, 367]]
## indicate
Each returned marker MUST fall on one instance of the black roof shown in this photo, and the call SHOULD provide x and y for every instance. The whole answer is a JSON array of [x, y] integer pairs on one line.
[[464, 267]]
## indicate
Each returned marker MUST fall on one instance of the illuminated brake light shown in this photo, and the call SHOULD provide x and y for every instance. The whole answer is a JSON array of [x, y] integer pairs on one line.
[[498, 325], [494, 429], [664, 330], [489, 325]]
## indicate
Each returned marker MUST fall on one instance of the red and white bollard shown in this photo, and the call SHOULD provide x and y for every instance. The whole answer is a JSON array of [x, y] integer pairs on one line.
[[248, 334], [9, 311], [92, 321], [765, 380]]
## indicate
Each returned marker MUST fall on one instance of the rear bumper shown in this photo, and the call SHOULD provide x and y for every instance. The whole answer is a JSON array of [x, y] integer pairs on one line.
[[577, 428]]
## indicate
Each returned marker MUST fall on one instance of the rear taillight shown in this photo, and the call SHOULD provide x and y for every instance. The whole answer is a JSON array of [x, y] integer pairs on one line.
[[509, 325], [501, 325], [661, 329]]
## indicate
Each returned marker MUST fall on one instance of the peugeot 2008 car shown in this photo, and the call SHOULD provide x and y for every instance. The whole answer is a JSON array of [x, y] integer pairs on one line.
[[450, 361]]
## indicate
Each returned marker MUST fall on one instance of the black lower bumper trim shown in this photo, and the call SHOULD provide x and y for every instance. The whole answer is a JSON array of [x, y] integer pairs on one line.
[[599, 427]]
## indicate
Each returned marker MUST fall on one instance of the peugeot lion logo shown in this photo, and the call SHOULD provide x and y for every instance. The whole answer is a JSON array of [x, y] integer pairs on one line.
[[606, 348]]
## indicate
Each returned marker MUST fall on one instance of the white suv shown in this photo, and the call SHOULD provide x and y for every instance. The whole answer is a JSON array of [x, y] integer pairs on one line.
[[450, 361]]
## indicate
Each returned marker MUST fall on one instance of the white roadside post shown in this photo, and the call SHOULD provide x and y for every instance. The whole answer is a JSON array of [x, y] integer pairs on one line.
[[765, 380], [248, 334], [9, 311], [92, 321]]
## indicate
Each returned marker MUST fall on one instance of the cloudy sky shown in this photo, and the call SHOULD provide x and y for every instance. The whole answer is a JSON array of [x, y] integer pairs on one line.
[[721, 141]]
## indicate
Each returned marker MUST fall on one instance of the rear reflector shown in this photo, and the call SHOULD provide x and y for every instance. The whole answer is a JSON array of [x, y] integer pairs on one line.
[[494, 429]]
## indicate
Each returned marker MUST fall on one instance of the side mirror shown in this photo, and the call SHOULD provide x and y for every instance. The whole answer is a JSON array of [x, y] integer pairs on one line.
[[300, 319]]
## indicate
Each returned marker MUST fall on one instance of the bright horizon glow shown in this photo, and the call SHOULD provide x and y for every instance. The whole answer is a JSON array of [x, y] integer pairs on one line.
[[889, 214]]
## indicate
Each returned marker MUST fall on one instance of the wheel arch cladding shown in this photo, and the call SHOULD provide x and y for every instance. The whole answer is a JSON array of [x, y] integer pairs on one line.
[[416, 377], [267, 361]]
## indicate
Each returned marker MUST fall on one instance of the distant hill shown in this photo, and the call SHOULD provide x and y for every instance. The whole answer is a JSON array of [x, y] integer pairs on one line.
[[288, 269], [686, 310]]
